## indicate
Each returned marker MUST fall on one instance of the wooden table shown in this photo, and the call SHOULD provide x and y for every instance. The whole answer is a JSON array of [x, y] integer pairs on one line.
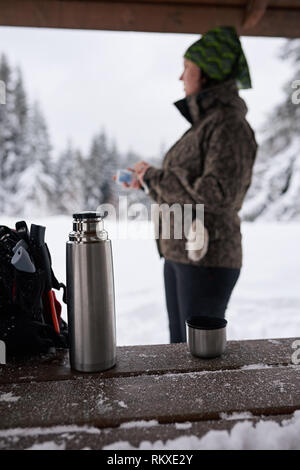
[[43, 401]]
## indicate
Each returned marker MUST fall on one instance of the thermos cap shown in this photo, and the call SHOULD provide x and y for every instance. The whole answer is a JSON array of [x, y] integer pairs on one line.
[[89, 215]]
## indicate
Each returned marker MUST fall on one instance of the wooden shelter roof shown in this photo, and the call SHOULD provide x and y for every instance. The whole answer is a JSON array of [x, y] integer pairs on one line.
[[250, 17]]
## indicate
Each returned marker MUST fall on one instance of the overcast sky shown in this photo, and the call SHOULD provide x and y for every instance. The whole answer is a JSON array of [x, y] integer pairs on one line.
[[125, 82]]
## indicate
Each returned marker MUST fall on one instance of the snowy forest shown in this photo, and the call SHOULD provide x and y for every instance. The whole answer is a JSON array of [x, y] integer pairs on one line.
[[275, 190], [36, 182]]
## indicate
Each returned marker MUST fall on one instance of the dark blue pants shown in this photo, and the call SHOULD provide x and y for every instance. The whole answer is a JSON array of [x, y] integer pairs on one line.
[[195, 290]]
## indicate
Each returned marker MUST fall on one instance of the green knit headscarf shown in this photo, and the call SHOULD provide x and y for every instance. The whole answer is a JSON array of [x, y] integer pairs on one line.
[[220, 55]]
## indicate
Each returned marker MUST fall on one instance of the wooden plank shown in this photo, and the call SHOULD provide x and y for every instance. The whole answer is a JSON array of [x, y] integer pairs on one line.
[[164, 17], [152, 359], [76, 437], [224, 3], [254, 13], [168, 398]]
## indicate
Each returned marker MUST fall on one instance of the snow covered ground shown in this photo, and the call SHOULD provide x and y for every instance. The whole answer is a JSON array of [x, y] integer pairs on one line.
[[264, 304], [245, 435]]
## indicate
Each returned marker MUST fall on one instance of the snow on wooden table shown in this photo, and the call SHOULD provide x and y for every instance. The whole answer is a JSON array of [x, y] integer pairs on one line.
[[154, 392]]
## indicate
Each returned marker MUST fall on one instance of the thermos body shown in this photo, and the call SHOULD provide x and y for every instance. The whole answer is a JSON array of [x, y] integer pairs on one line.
[[91, 304]]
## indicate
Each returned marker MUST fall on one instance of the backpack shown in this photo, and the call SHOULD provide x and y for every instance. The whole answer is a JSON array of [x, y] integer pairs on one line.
[[30, 314]]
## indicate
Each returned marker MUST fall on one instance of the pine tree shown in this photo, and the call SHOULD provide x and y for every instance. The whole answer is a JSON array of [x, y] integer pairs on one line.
[[21, 115], [111, 169], [27, 182], [8, 132], [36, 187], [275, 190], [100, 167], [93, 192], [70, 178]]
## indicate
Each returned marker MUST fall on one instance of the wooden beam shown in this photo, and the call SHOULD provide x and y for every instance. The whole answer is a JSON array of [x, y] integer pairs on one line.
[[254, 13], [151, 16]]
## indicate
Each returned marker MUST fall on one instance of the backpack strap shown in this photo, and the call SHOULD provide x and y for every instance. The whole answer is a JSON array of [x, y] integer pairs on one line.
[[55, 284]]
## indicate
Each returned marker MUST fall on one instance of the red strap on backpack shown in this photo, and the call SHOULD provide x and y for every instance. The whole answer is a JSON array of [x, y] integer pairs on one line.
[[53, 309]]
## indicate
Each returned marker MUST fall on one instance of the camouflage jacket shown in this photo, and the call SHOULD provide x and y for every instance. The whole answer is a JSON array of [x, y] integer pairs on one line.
[[210, 164]]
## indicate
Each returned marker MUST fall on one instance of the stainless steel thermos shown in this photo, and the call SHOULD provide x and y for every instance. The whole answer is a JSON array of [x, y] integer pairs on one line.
[[90, 294]]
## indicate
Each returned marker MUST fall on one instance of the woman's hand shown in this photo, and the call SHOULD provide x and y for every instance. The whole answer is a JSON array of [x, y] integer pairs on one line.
[[135, 184], [140, 169]]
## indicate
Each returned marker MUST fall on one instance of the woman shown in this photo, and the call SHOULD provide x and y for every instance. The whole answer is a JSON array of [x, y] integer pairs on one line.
[[210, 164]]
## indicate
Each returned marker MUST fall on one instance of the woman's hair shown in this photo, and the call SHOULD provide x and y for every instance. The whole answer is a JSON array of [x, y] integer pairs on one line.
[[209, 82]]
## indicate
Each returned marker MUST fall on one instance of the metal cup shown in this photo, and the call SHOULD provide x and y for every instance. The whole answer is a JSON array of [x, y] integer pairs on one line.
[[206, 336]]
